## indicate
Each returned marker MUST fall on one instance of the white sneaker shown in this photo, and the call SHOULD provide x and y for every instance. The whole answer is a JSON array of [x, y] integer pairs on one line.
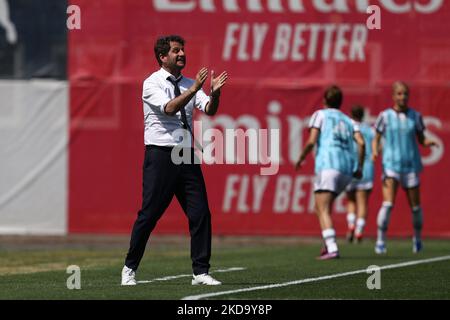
[[205, 279], [128, 277]]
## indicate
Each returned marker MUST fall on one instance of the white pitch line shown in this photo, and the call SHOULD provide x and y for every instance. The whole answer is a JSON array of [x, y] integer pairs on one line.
[[296, 282], [190, 275]]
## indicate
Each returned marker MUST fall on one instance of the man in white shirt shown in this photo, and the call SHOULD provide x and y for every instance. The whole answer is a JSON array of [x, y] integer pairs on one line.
[[169, 100]]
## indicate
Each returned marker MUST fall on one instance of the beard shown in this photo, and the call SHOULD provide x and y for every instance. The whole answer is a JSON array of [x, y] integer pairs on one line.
[[179, 63], [402, 103]]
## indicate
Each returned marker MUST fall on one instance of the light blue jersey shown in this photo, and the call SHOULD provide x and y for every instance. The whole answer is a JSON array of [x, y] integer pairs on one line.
[[335, 147], [368, 168], [400, 147]]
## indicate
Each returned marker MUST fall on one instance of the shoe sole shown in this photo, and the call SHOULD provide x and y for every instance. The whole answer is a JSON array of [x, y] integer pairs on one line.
[[328, 258], [195, 283]]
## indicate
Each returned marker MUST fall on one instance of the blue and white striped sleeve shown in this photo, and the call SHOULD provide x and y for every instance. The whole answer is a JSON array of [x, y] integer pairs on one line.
[[316, 120], [356, 127], [420, 125], [380, 123]]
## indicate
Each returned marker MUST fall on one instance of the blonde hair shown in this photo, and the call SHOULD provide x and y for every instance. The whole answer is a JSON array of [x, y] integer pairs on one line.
[[397, 84]]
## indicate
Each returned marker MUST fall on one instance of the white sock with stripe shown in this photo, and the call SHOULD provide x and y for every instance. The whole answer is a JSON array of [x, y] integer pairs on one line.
[[329, 235], [383, 220], [351, 218], [360, 223]]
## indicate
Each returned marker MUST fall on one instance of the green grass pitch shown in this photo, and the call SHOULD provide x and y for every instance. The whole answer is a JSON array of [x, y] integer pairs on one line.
[[35, 272]]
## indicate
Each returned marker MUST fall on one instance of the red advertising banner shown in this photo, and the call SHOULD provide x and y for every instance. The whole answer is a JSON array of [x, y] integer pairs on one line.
[[280, 56]]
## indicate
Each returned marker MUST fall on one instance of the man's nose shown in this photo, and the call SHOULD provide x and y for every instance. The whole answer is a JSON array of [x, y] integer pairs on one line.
[[181, 53]]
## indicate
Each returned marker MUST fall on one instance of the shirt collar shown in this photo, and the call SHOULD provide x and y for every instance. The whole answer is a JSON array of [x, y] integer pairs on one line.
[[167, 74], [333, 109], [404, 111]]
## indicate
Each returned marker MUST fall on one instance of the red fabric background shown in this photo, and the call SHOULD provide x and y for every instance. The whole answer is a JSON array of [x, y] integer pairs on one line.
[[113, 53]]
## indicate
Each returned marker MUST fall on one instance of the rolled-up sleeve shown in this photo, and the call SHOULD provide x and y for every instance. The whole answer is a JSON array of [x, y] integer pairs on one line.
[[154, 95], [201, 100]]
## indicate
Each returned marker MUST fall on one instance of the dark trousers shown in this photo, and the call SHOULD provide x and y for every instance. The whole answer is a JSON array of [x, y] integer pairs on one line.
[[162, 179]]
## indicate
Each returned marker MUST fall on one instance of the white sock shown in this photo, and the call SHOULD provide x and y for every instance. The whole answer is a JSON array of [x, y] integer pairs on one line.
[[417, 221], [383, 220], [381, 236], [329, 235], [360, 223], [351, 218]]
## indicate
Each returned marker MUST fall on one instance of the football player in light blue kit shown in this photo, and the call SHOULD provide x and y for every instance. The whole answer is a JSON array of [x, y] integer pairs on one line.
[[401, 128], [334, 133], [358, 191]]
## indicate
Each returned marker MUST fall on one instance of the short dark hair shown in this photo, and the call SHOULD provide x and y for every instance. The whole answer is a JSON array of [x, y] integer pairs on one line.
[[333, 97], [357, 112], [162, 45]]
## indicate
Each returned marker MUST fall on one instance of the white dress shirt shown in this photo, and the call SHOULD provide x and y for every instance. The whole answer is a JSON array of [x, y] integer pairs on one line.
[[156, 93]]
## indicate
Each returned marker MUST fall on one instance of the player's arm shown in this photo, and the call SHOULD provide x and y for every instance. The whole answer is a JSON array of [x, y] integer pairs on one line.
[[380, 128], [309, 146], [361, 153], [420, 133], [376, 145], [424, 141], [174, 105], [216, 85]]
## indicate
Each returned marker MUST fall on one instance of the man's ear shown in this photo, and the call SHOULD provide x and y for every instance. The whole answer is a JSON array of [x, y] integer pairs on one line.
[[162, 57]]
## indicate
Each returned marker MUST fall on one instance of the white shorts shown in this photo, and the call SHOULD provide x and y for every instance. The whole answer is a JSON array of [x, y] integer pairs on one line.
[[359, 185], [331, 180], [407, 180]]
